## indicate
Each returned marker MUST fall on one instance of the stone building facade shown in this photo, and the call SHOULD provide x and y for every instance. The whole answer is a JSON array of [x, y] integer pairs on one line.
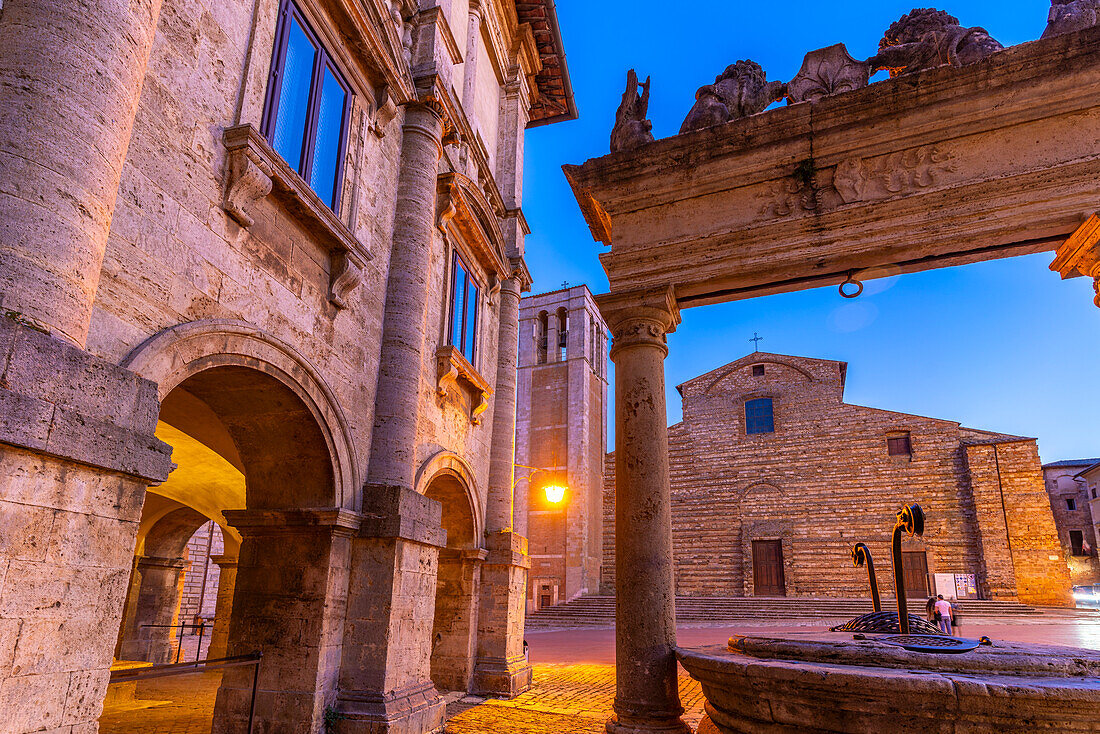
[[1070, 502], [775, 478], [264, 259], [561, 440]]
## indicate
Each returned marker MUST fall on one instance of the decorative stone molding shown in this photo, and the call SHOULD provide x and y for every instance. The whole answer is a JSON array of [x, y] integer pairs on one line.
[[453, 369], [451, 464], [255, 171], [462, 207], [1080, 255], [826, 71]]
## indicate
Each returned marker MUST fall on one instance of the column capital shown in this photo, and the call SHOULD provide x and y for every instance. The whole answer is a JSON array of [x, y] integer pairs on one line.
[[266, 522], [224, 561], [640, 317], [159, 562], [519, 277], [1080, 255]]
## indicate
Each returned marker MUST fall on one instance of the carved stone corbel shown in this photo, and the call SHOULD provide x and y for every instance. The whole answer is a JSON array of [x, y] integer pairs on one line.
[[347, 273], [1080, 255], [445, 205], [249, 180], [384, 112], [454, 370]]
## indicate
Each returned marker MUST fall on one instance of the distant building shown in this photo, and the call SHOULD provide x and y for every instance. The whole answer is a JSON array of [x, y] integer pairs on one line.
[[775, 478], [561, 408], [1070, 502]]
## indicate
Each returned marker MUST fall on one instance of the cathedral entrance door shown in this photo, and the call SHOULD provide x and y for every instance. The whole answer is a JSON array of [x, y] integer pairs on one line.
[[767, 568], [914, 569]]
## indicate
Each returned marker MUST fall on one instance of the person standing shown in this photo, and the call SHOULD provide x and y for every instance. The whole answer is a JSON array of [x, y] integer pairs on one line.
[[943, 614]]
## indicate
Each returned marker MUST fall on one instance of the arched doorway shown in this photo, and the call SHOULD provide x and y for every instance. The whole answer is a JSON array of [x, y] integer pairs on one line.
[[239, 406], [454, 628]]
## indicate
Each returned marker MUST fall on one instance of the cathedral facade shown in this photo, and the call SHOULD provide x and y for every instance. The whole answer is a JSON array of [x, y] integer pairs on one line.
[[775, 478]]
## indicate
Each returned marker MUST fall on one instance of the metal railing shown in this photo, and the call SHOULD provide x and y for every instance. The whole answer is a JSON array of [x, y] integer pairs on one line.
[[179, 637], [127, 675]]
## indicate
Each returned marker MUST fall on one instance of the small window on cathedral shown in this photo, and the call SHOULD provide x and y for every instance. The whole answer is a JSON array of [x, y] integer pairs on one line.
[[1077, 542], [899, 445], [758, 370], [1071, 503], [464, 302], [758, 416]]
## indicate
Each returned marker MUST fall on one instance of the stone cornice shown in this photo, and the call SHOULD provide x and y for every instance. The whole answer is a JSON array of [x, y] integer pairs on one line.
[[906, 174]]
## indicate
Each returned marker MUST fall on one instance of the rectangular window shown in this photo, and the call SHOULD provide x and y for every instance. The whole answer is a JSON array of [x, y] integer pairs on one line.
[[1071, 504], [758, 416], [758, 370], [899, 445], [1077, 542], [464, 298], [305, 118]]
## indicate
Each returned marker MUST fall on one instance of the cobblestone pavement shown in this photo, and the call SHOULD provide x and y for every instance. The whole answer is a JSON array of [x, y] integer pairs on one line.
[[574, 683]]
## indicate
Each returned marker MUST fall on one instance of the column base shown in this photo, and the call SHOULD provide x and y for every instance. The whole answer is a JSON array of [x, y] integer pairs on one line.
[[502, 678], [416, 709], [662, 725]]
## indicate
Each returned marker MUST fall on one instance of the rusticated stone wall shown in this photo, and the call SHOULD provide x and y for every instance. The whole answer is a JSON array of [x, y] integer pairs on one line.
[[823, 481]]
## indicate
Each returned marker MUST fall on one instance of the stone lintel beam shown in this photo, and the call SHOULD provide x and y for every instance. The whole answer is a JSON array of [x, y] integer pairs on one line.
[[267, 522], [804, 195], [1080, 255], [396, 512]]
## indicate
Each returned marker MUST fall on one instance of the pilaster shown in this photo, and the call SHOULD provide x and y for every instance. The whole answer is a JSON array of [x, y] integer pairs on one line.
[[502, 668]]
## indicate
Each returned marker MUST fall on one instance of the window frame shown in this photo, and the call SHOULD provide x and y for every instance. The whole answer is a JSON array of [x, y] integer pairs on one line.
[[457, 259], [324, 61], [1071, 503], [771, 411], [758, 370], [899, 436]]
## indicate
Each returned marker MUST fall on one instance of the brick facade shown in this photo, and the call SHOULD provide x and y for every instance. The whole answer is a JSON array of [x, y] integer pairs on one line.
[[824, 480], [562, 414], [1066, 486]]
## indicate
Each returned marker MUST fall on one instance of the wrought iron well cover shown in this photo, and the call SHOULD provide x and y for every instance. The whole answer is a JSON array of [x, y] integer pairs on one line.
[[930, 643], [886, 622]]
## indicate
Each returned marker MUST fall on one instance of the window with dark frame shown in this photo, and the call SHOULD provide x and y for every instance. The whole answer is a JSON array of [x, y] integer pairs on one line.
[[1077, 542], [464, 301], [758, 416], [899, 445], [305, 116], [758, 370], [1071, 503]]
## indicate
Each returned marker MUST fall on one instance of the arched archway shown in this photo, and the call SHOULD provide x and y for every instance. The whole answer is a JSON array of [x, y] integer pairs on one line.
[[259, 410], [454, 629]]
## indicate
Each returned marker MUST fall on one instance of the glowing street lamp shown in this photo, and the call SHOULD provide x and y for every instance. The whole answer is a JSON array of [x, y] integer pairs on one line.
[[555, 493]]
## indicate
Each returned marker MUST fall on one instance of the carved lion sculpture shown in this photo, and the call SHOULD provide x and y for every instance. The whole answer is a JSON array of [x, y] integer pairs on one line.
[[1067, 16], [632, 129], [741, 90], [926, 38]]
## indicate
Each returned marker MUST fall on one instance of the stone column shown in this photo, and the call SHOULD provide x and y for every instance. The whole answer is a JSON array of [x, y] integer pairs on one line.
[[157, 603], [70, 77], [469, 71], [223, 610], [289, 599], [501, 667], [404, 327], [385, 674], [646, 695]]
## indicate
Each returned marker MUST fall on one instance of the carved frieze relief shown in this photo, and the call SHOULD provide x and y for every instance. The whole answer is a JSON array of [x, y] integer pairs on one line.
[[855, 179]]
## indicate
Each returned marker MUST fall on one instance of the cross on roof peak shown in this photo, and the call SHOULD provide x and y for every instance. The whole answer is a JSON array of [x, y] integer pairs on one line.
[[756, 339]]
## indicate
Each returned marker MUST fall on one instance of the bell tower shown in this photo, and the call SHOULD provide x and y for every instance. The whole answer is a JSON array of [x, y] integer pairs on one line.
[[561, 440]]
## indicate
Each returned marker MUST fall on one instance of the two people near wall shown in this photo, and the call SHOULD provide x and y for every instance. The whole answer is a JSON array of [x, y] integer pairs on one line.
[[944, 613]]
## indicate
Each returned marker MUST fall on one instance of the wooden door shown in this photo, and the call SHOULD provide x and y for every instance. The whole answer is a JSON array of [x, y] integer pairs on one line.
[[767, 568], [914, 569]]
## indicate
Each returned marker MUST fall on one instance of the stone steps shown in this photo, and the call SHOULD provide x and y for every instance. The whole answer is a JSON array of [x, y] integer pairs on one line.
[[599, 611]]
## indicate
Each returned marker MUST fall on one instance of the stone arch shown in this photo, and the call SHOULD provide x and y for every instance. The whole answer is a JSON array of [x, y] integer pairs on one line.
[[450, 464], [729, 370], [181, 352]]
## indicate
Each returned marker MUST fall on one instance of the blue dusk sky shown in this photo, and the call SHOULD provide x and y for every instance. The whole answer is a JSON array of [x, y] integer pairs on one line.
[[1004, 345]]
